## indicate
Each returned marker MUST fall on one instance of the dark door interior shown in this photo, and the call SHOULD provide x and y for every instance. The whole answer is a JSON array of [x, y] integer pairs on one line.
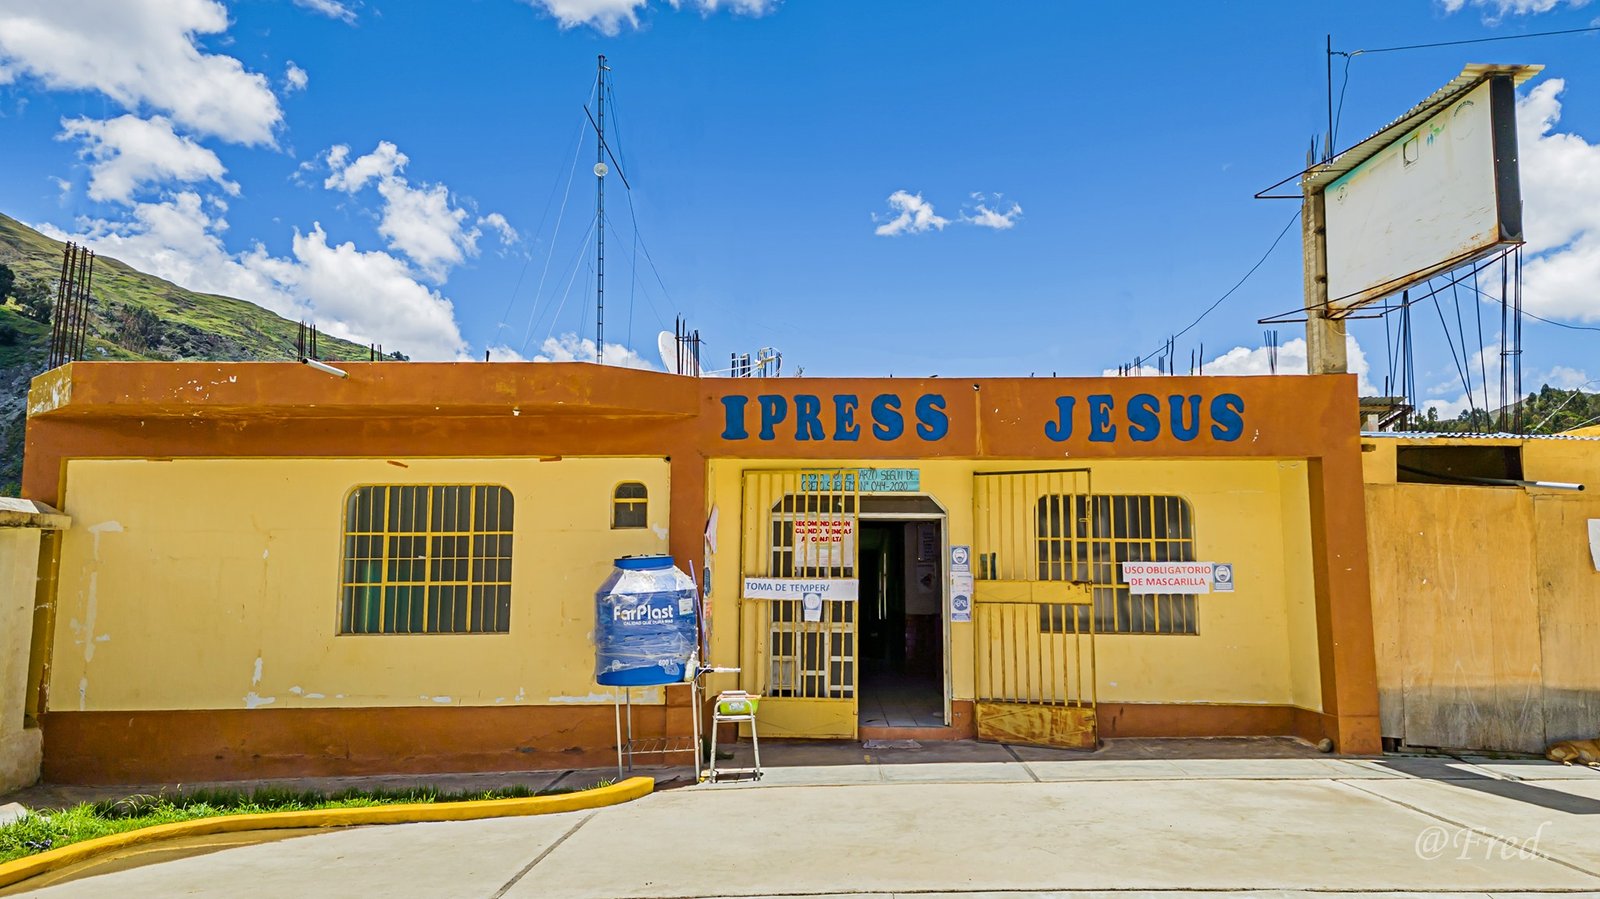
[[901, 624]]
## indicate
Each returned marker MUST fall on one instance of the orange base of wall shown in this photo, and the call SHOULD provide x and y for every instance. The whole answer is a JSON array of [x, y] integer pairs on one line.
[[1141, 719], [153, 747], [218, 744]]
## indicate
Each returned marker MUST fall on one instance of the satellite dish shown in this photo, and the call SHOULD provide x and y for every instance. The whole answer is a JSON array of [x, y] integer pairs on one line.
[[667, 346], [600, 170]]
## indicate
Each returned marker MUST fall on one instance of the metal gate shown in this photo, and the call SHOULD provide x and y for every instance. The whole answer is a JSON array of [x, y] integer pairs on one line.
[[800, 531], [1033, 612]]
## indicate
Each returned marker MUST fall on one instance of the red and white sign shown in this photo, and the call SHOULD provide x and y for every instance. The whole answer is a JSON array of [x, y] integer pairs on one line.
[[1167, 577], [824, 542]]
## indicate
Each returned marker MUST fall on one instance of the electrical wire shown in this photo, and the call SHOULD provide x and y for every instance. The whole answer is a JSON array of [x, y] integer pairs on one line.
[[1333, 137], [527, 333], [653, 311], [577, 265], [1452, 345], [1569, 327], [1481, 40], [1576, 392], [1213, 306], [543, 217]]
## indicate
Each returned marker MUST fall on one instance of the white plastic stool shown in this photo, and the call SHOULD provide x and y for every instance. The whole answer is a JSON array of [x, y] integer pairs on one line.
[[734, 707]]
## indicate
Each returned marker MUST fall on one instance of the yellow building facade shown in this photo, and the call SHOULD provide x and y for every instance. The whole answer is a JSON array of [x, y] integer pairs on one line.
[[271, 571]]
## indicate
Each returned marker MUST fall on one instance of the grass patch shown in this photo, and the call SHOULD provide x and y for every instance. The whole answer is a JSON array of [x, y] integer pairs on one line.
[[41, 831]]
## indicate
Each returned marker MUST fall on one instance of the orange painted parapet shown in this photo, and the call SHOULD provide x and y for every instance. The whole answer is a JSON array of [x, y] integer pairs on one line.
[[1029, 418]]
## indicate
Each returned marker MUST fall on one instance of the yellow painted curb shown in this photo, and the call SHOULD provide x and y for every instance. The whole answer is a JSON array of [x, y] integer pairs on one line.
[[30, 866]]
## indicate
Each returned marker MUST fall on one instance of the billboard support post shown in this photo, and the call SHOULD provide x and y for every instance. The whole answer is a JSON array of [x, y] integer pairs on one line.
[[1326, 353], [1434, 190]]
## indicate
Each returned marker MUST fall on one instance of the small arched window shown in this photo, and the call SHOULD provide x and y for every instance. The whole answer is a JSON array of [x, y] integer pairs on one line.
[[630, 506]]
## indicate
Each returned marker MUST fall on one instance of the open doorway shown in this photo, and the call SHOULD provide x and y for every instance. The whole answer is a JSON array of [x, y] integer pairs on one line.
[[901, 624]]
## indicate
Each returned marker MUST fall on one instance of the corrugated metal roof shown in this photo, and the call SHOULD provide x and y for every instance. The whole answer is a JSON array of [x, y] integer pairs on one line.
[[1423, 435], [1321, 175]]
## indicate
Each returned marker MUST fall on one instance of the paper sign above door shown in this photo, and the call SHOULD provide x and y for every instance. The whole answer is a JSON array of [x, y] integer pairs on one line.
[[865, 480]]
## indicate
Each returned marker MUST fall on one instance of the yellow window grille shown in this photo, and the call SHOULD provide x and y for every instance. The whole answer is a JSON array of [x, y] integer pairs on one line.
[[427, 559], [630, 506], [1086, 538]]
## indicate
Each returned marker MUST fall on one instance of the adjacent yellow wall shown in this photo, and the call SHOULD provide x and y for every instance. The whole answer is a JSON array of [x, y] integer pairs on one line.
[[1256, 645], [197, 584], [19, 574], [1485, 600]]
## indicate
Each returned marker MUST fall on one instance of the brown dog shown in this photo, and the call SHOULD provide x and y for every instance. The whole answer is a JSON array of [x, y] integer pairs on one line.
[[1568, 751]]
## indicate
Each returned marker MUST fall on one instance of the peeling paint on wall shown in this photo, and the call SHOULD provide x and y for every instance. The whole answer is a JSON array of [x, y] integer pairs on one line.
[[255, 676], [253, 700], [645, 695]]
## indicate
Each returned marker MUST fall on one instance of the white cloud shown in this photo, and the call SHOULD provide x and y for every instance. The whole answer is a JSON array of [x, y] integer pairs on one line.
[[177, 240], [333, 9], [915, 215], [1561, 210], [985, 217], [365, 296], [1565, 377], [128, 153], [739, 7], [508, 234], [609, 16], [502, 353], [605, 16], [1561, 377], [384, 162], [140, 53], [294, 78], [1499, 8], [420, 222], [569, 347], [1291, 361]]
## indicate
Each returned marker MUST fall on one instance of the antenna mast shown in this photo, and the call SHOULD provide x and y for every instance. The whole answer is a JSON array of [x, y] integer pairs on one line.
[[600, 217]]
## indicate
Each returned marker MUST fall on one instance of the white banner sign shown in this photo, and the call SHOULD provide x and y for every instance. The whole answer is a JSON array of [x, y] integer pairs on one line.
[[1594, 542], [838, 589], [824, 542], [1167, 577]]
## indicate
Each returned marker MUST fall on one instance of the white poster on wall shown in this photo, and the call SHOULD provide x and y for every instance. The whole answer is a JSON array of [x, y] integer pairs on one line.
[[835, 589], [961, 583], [961, 596], [1594, 542], [1167, 577]]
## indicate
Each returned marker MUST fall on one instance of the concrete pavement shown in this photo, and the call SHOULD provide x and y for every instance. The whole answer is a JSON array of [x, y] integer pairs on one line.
[[1031, 823]]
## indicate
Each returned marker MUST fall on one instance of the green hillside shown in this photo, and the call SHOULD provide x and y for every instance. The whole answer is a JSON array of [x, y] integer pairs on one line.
[[132, 315]]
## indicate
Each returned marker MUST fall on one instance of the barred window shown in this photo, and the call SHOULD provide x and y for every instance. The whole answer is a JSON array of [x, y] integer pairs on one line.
[[427, 559], [1086, 538], [630, 506]]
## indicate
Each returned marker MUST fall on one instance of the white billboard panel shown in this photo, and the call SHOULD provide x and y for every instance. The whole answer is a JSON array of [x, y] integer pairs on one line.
[[1442, 194]]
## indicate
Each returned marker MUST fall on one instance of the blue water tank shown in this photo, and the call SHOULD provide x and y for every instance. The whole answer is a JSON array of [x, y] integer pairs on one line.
[[644, 623]]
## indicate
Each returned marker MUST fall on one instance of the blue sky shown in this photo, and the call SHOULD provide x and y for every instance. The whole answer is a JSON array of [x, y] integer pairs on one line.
[[1083, 173]]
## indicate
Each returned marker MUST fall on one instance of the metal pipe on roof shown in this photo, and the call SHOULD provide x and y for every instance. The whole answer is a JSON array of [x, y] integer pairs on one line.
[[322, 366], [1492, 482]]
